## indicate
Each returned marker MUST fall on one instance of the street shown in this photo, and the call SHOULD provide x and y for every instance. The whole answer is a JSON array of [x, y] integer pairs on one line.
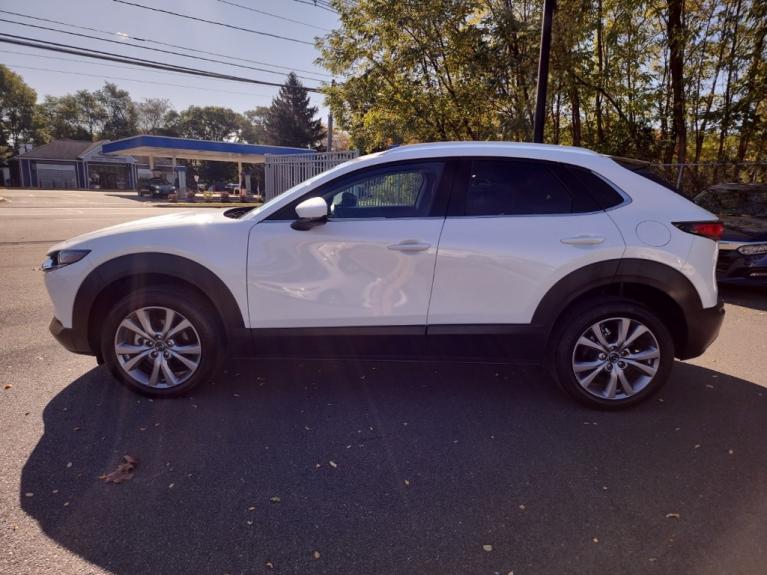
[[364, 467]]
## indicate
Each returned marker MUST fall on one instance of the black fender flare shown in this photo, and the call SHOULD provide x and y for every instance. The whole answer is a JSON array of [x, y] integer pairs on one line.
[[615, 272], [142, 264]]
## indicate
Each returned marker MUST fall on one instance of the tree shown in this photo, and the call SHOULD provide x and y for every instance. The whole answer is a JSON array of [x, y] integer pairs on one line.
[[18, 115], [79, 116], [152, 114], [208, 123], [290, 121], [121, 119], [254, 126]]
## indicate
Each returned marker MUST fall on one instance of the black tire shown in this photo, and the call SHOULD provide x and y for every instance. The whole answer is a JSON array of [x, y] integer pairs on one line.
[[568, 350], [205, 327]]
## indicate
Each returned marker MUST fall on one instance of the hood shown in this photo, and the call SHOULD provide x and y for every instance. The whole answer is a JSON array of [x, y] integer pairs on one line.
[[186, 219]]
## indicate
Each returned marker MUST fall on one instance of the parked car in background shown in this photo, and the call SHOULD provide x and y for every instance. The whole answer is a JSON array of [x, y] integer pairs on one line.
[[743, 247], [156, 187], [521, 252]]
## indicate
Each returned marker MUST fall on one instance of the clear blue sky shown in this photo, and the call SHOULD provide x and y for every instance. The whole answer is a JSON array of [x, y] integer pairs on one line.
[[61, 75]]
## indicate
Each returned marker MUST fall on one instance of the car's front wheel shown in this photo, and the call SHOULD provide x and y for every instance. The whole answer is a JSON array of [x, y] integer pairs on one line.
[[613, 354], [161, 342]]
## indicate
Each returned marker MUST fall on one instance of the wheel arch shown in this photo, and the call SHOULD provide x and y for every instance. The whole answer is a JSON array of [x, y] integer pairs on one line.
[[125, 274], [656, 285]]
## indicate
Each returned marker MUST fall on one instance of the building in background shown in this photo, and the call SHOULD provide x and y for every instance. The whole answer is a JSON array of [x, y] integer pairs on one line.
[[79, 165]]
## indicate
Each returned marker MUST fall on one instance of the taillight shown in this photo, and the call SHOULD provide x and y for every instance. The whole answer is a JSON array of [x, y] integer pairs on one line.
[[710, 230]]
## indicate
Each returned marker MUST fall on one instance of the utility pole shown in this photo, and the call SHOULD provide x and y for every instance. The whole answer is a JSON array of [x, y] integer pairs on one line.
[[543, 70], [330, 122]]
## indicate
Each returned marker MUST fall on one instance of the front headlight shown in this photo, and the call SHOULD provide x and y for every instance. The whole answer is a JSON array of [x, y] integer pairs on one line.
[[753, 249], [61, 258]]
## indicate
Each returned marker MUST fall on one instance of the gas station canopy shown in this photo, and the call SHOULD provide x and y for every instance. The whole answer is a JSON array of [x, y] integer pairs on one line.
[[167, 147]]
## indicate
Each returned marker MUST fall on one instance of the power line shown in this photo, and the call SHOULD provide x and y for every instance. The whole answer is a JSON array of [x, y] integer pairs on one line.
[[273, 15], [111, 56], [142, 81], [224, 24], [106, 65], [78, 34], [140, 39], [317, 4]]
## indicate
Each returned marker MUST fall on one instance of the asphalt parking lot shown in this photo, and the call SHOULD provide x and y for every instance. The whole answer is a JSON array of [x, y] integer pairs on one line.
[[365, 467]]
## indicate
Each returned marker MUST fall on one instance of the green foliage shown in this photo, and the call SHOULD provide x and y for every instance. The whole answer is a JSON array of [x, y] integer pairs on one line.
[[19, 121], [207, 123], [655, 79], [289, 121]]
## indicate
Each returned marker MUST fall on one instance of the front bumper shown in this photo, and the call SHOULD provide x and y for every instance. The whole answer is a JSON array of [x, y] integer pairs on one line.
[[703, 327], [71, 339]]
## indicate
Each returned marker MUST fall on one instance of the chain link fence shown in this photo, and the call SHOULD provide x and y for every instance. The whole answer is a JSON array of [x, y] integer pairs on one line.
[[693, 178]]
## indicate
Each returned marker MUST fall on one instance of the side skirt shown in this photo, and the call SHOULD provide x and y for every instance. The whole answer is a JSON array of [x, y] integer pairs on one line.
[[522, 344]]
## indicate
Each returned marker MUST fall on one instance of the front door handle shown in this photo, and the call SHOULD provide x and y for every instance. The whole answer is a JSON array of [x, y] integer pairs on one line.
[[583, 240], [410, 246]]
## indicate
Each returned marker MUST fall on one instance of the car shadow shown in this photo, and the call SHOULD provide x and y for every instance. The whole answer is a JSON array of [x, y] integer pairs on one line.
[[754, 297], [404, 468]]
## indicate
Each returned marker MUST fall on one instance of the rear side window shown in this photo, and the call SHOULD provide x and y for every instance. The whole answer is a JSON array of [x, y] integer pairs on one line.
[[518, 187], [583, 182]]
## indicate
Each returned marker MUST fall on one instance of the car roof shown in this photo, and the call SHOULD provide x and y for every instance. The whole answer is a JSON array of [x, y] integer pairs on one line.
[[485, 148]]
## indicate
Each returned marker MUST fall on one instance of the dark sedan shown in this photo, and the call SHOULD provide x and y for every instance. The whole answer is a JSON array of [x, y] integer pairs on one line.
[[743, 247], [156, 187]]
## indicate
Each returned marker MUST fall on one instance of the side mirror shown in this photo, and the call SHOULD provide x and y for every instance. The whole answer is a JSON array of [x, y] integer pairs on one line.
[[312, 212]]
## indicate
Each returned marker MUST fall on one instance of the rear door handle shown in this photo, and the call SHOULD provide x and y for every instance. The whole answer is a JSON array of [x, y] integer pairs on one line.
[[583, 240], [410, 246]]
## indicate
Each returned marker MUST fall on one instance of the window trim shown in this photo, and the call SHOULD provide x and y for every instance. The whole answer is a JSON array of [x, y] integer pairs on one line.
[[438, 208], [457, 205]]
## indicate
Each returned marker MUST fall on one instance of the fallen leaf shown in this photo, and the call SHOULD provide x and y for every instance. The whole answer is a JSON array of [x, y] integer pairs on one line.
[[333, 464], [487, 548], [29, 494], [69, 464], [75, 429], [316, 555], [275, 499], [7, 386], [251, 508], [249, 522], [269, 565], [731, 451], [407, 482], [672, 515], [595, 540], [697, 445], [124, 471], [171, 486], [522, 507]]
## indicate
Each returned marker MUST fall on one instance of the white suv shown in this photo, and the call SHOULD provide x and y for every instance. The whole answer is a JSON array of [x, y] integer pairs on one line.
[[520, 252]]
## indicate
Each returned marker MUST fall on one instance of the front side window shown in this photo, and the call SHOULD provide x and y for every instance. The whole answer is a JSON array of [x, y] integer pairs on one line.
[[396, 191], [515, 187]]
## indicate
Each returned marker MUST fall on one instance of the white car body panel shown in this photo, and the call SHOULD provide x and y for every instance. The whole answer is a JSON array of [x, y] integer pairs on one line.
[[496, 269], [204, 236], [342, 273], [333, 276]]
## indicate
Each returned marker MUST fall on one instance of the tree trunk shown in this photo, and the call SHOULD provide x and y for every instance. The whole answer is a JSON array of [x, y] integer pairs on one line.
[[575, 107], [676, 42]]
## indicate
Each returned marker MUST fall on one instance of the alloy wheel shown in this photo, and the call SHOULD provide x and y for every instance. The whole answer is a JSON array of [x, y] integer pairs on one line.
[[157, 347], [616, 358]]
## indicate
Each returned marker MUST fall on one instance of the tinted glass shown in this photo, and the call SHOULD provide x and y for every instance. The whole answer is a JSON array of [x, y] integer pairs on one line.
[[396, 191], [647, 170], [514, 187], [589, 191]]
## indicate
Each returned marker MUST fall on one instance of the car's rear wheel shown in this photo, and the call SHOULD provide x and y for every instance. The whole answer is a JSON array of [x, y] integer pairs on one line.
[[161, 342], [613, 354]]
